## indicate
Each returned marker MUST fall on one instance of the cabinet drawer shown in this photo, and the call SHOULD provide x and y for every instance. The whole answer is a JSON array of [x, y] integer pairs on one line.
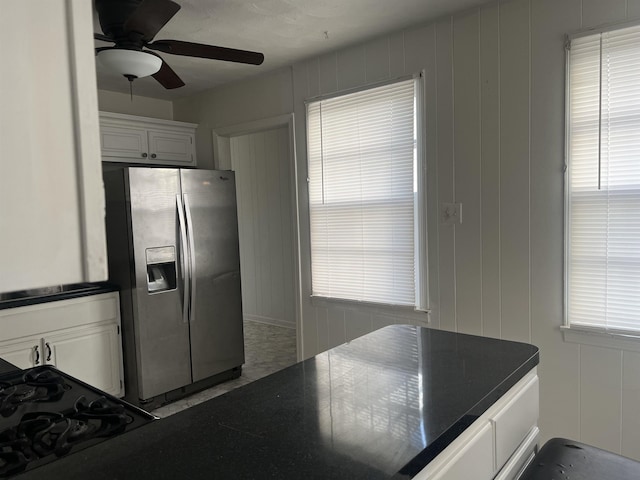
[[513, 422], [44, 317]]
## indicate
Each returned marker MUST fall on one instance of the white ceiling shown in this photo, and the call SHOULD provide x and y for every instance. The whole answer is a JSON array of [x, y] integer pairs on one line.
[[286, 31]]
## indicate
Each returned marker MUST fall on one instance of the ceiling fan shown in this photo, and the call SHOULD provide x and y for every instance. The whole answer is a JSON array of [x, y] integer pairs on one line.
[[132, 25]]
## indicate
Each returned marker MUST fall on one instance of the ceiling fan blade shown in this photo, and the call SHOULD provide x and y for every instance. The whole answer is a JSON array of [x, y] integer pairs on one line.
[[177, 47], [104, 38], [150, 17], [167, 77]]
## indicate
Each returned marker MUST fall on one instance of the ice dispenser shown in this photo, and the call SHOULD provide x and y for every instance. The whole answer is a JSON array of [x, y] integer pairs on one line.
[[161, 269]]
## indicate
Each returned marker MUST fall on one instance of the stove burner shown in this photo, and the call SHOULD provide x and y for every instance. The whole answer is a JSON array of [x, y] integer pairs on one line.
[[44, 386], [39, 434], [45, 414]]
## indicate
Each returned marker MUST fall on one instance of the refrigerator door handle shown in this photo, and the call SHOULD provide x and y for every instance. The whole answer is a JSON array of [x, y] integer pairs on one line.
[[183, 258], [192, 258]]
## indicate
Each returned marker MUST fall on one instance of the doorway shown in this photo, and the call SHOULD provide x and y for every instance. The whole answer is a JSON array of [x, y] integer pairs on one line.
[[262, 155], [261, 163]]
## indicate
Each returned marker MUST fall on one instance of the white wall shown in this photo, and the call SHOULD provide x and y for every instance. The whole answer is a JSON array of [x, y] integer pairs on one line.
[[494, 134], [257, 98], [494, 140], [116, 102]]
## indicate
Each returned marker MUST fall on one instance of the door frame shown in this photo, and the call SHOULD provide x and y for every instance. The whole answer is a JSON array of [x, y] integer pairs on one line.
[[221, 138]]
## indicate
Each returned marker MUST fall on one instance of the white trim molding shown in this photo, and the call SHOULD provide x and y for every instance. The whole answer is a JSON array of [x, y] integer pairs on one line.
[[601, 338]]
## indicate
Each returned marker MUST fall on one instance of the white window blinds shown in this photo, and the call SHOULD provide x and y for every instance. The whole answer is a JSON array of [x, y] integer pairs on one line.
[[603, 186], [362, 157]]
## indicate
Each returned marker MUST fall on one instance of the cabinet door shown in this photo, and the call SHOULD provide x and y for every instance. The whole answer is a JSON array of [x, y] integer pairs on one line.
[[515, 420], [91, 354], [25, 353], [521, 457], [171, 148], [124, 144], [474, 460], [51, 195]]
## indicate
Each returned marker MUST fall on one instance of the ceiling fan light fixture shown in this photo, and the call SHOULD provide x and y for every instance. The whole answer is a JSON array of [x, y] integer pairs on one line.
[[130, 63]]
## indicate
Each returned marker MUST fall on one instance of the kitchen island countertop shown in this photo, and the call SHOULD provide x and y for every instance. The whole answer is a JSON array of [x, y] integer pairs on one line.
[[380, 407]]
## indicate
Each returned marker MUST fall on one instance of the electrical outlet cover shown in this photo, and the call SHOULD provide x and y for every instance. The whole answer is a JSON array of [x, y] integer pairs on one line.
[[451, 213]]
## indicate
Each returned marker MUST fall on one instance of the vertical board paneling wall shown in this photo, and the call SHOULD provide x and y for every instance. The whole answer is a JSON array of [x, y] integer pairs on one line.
[[494, 140], [261, 162]]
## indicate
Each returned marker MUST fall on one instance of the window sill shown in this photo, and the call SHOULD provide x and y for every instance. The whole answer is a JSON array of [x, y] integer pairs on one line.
[[418, 317], [601, 338]]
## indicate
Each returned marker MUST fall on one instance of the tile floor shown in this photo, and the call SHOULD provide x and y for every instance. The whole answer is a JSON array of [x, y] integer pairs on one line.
[[267, 349]]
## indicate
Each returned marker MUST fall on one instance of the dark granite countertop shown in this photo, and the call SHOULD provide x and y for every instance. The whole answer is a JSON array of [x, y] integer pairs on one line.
[[379, 407], [6, 367], [53, 294]]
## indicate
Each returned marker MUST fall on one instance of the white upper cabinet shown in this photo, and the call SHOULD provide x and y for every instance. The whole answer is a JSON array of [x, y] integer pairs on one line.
[[168, 147], [122, 143], [151, 141], [51, 192]]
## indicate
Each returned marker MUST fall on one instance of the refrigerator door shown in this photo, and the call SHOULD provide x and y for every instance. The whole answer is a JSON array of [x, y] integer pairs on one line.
[[161, 331], [216, 311]]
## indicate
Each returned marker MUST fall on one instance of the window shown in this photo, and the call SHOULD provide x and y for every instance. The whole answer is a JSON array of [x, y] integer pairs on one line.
[[603, 181], [364, 195]]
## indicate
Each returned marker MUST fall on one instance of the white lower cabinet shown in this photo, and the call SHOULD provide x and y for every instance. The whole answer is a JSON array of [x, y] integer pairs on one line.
[[23, 353], [80, 337], [521, 458], [515, 420], [91, 354], [473, 460], [499, 444]]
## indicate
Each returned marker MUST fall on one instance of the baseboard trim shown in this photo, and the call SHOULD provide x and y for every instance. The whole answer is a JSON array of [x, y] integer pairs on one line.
[[270, 321]]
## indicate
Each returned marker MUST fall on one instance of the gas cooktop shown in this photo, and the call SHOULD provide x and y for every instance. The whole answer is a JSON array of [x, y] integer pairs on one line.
[[46, 414]]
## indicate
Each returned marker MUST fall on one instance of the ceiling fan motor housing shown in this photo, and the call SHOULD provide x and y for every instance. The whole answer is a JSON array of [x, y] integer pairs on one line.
[[113, 14]]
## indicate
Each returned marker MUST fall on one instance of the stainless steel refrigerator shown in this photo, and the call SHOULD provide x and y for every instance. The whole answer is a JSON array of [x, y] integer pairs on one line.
[[172, 237]]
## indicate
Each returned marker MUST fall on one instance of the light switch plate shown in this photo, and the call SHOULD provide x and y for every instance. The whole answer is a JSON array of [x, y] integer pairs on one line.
[[451, 213]]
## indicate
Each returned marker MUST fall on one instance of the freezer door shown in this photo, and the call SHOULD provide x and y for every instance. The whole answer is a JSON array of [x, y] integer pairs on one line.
[[216, 313], [162, 334]]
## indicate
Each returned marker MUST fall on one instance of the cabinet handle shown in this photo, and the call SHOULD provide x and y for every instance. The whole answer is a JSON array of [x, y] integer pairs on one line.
[[48, 351], [153, 155], [37, 352], [144, 155]]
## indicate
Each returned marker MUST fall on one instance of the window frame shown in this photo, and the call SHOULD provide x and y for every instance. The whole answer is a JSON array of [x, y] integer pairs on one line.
[[421, 279], [579, 333]]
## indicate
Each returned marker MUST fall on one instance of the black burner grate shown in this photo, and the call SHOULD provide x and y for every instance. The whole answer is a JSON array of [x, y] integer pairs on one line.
[[45, 414]]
